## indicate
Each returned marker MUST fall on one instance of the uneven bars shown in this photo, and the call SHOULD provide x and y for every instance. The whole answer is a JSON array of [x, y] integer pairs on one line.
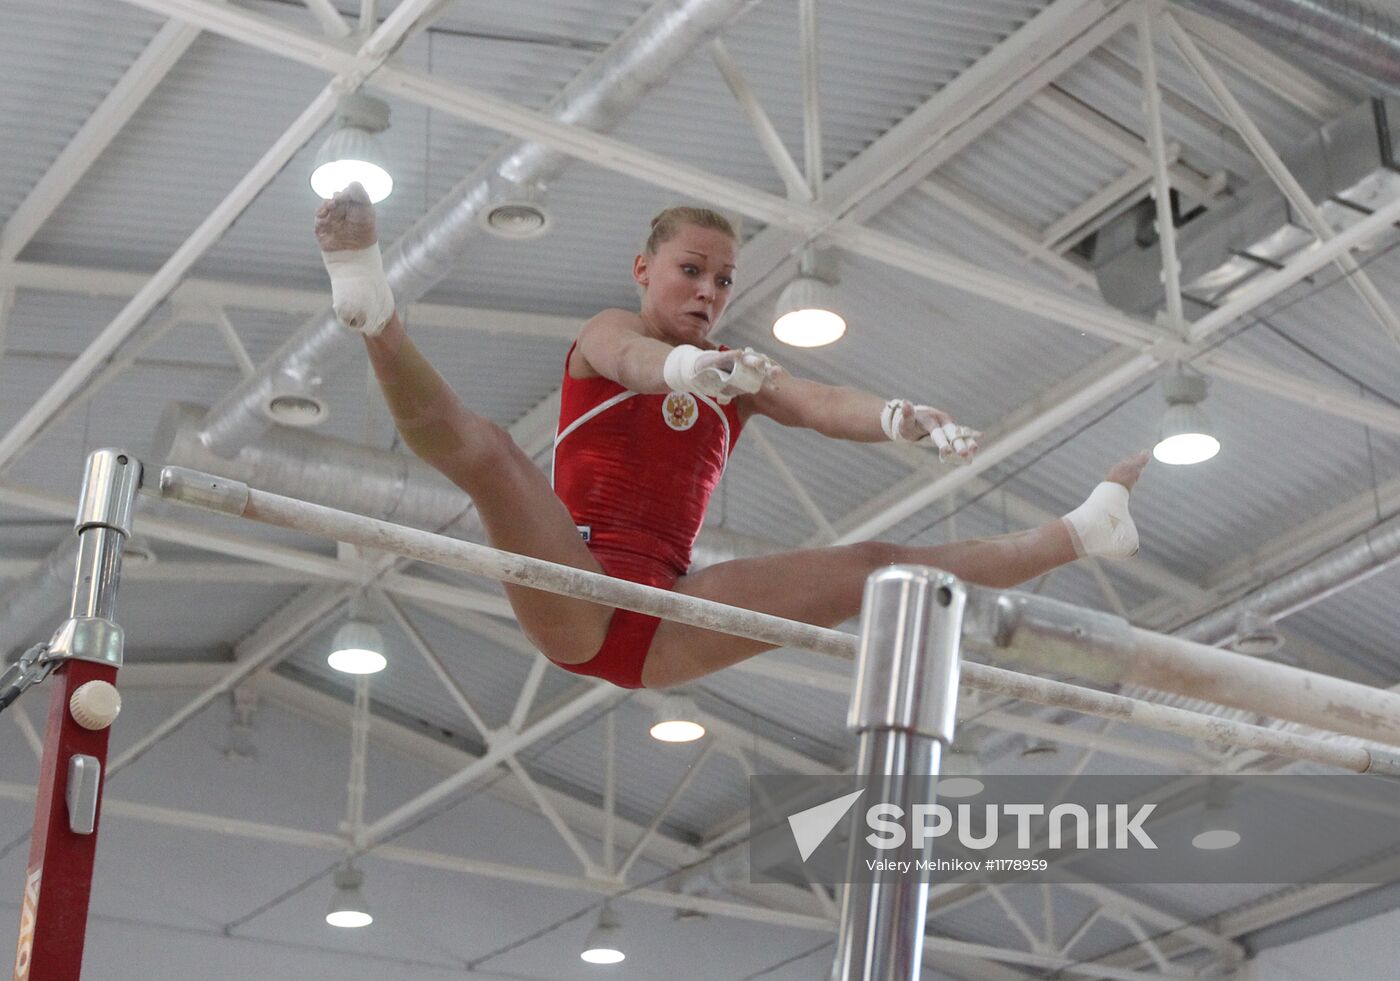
[[234, 497]]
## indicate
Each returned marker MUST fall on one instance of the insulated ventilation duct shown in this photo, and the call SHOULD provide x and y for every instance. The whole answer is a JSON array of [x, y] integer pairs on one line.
[[598, 98], [324, 470], [1347, 168], [1358, 41], [1355, 560], [380, 483], [35, 605]]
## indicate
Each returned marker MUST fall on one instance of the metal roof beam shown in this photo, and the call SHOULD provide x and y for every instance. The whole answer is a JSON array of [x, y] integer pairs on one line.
[[195, 293], [588, 818], [373, 53], [512, 639], [1200, 936], [112, 113], [598, 695], [1279, 173], [1008, 228], [332, 23], [1265, 378], [808, 220], [321, 568], [326, 841], [1122, 142], [1063, 402], [764, 130], [1309, 93]]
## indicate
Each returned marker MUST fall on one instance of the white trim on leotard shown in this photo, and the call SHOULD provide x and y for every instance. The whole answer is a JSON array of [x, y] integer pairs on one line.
[[724, 419], [600, 407], [606, 404]]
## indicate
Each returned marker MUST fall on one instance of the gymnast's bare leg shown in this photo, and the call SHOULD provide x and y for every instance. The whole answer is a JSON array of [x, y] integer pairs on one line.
[[824, 586]]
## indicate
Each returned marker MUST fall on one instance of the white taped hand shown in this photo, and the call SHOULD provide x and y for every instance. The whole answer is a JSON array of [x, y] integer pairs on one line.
[[902, 421], [721, 375], [360, 292]]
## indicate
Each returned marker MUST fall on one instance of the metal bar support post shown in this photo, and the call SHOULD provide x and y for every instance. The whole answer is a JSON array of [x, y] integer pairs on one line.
[[85, 654], [904, 708]]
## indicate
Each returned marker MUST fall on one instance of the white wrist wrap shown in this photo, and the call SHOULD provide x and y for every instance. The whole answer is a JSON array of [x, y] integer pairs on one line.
[[687, 369], [720, 375], [679, 369], [891, 416], [360, 292]]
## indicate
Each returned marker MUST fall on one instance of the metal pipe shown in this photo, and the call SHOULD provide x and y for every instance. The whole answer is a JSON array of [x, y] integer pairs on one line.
[[904, 707], [811, 99], [1353, 37], [105, 506], [38, 597], [98, 568], [1355, 560], [1161, 186], [85, 653], [325, 470], [598, 98]]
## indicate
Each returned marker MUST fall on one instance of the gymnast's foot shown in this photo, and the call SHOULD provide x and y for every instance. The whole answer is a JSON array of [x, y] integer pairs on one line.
[[1101, 527], [349, 243]]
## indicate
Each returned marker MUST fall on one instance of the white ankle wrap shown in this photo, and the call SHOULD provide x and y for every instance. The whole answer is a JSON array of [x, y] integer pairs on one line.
[[360, 292], [1102, 527]]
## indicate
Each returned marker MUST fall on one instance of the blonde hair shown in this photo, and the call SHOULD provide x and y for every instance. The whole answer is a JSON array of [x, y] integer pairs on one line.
[[666, 224]]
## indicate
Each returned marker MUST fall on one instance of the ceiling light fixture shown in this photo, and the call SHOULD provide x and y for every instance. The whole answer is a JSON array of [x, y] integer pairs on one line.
[[1184, 437], [1256, 634], [1040, 749], [292, 399], [517, 211], [604, 944], [806, 313], [958, 770], [1213, 832], [352, 152], [348, 907], [358, 647], [677, 721]]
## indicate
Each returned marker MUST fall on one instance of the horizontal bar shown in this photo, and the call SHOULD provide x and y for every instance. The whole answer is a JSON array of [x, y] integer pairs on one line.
[[232, 497], [1035, 631], [1165, 718]]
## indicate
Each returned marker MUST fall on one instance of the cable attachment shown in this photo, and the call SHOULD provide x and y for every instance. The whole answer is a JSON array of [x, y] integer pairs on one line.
[[33, 666]]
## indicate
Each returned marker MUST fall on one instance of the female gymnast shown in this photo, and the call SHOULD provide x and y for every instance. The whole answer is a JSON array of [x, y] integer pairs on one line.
[[650, 412]]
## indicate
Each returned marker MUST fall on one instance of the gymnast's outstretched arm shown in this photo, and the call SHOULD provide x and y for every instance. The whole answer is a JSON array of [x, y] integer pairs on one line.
[[848, 413]]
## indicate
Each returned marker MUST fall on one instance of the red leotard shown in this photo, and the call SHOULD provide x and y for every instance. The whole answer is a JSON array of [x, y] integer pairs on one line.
[[636, 472]]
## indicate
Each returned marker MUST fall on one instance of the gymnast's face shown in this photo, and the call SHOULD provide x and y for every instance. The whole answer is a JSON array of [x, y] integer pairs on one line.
[[686, 284]]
